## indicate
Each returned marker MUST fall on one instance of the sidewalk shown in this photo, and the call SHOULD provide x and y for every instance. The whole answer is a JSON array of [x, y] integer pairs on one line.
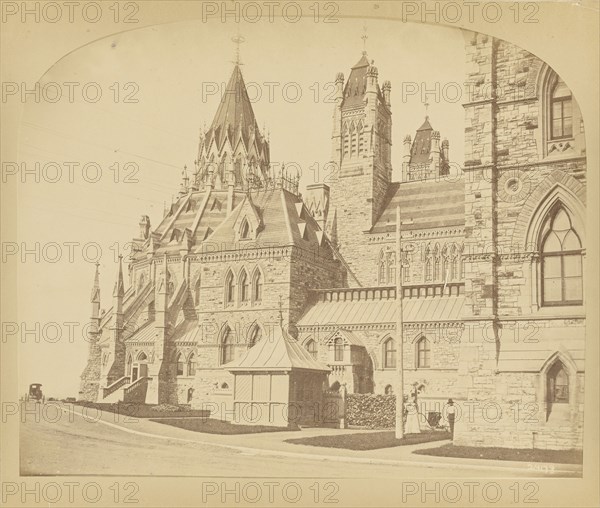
[[273, 444]]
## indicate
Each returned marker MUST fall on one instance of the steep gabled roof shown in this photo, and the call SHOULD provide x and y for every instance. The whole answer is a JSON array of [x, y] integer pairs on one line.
[[356, 86]]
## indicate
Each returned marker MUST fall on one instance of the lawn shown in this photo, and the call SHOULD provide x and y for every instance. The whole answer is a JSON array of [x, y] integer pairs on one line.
[[210, 426], [146, 410], [524, 455], [369, 440]]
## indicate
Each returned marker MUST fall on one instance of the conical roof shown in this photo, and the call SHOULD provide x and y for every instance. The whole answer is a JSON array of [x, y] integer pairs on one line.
[[234, 115], [278, 352]]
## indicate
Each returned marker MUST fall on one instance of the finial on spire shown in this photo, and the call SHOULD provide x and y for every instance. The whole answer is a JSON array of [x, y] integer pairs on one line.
[[237, 40], [426, 104], [364, 38]]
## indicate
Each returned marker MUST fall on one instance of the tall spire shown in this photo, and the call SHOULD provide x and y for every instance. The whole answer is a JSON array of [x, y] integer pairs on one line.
[[96, 288], [119, 290]]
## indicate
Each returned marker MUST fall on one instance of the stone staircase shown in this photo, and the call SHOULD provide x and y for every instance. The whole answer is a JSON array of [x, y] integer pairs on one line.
[[124, 391]]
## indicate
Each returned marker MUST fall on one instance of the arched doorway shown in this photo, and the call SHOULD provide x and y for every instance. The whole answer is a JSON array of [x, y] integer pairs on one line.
[[140, 367]]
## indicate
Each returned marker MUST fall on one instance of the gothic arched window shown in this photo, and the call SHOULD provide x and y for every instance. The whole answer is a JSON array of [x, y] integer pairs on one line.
[[423, 353], [558, 384], [244, 287], [389, 354], [257, 284], [561, 111], [191, 365], [226, 347], [389, 390], [255, 336], [311, 347], [562, 280], [245, 230], [129, 363], [229, 288], [428, 270]]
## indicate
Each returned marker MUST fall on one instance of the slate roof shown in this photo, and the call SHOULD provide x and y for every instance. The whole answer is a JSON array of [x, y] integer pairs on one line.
[[423, 205], [415, 310], [279, 352], [356, 86], [234, 117]]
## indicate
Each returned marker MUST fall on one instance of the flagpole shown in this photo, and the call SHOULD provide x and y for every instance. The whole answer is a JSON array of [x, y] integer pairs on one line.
[[399, 334]]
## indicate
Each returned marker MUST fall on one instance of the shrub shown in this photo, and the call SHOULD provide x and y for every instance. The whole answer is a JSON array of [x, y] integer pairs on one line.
[[371, 411]]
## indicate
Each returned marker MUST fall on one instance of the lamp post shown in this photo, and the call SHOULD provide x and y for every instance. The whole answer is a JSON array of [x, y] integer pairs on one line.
[[399, 334]]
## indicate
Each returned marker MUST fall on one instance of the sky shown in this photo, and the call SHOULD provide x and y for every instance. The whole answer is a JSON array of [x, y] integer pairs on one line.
[[159, 85]]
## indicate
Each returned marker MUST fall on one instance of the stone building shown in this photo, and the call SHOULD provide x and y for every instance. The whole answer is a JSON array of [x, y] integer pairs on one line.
[[490, 267]]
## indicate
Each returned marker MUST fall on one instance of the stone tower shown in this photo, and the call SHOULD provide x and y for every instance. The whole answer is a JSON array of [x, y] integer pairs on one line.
[[425, 158], [361, 151]]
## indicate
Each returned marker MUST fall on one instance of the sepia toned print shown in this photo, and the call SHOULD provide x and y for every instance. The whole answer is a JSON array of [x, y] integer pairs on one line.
[[328, 246]]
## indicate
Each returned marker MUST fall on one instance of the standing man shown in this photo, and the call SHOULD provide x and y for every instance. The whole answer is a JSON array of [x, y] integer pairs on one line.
[[450, 414]]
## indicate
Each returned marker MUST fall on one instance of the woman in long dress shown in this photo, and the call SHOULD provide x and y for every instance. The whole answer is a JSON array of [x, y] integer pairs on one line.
[[412, 418]]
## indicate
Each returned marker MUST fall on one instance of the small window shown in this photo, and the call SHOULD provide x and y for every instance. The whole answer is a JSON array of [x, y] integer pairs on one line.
[[423, 354], [311, 347], [558, 384], [389, 354], [245, 230], [197, 292], [428, 271], [129, 363], [389, 390]]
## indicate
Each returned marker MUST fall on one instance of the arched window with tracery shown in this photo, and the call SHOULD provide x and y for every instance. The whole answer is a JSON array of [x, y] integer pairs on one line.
[[226, 347], [389, 354], [423, 353], [562, 277]]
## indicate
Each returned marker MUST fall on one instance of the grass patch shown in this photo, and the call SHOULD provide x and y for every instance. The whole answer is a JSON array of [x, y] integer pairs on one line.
[[146, 410], [517, 454], [210, 426], [370, 440]]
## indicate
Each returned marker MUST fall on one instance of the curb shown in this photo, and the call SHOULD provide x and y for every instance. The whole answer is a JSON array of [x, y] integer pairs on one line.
[[334, 458]]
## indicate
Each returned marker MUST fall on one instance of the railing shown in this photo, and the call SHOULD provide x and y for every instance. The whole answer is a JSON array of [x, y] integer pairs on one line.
[[136, 391], [115, 386], [389, 292]]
